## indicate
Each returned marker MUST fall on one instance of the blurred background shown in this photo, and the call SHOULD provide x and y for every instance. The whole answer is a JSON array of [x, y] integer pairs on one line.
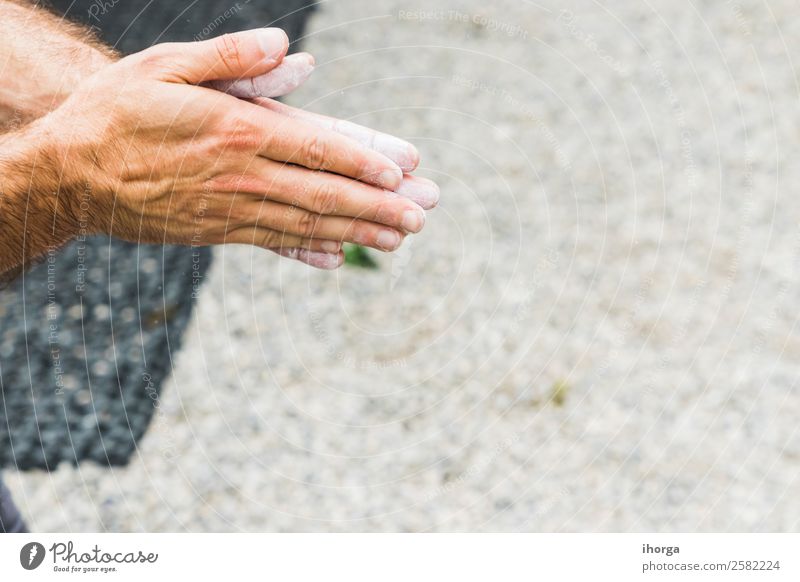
[[596, 331]]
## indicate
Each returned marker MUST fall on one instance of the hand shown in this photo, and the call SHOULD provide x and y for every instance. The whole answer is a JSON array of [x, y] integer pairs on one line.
[[288, 76], [170, 162]]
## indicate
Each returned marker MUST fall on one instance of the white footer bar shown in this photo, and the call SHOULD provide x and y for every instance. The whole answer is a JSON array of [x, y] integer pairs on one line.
[[400, 557]]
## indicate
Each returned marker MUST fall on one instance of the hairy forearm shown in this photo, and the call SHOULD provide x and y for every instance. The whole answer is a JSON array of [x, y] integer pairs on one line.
[[36, 214], [42, 59]]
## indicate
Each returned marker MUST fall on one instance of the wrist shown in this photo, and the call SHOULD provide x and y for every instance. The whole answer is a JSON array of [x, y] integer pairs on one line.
[[30, 223], [37, 191], [33, 89], [75, 72], [77, 195], [80, 68]]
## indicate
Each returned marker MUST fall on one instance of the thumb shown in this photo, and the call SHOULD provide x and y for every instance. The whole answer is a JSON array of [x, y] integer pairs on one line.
[[230, 56]]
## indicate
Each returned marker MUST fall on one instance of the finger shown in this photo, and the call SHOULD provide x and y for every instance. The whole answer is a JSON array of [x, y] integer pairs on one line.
[[304, 144], [421, 190], [270, 239], [399, 151], [282, 80], [231, 56], [309, 225], [331, 194], [327, 261]]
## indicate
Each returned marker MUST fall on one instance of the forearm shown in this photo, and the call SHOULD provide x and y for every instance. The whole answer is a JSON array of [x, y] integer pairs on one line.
[[36, 210], [42, 60]]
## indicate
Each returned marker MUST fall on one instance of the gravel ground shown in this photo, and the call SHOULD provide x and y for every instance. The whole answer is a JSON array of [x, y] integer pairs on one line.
[[596, 330]]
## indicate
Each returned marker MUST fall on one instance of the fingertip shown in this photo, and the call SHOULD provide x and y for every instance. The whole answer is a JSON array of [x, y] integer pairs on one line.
[[410, 160], [413, 219], [402, 153], [310, 58], [390, 178], [424, 192], [388, 240], [274, 42], [301, 60]]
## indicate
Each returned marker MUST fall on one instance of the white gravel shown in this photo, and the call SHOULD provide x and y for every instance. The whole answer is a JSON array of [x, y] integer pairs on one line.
[[595, 331]]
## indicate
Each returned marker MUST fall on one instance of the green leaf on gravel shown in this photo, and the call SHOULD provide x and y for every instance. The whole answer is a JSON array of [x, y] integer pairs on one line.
[[358, 256]]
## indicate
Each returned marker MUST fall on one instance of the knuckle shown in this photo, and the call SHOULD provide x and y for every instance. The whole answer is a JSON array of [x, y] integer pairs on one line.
[[164, 61], [384, 211], [150, 59], [364, 166], [306, 224], [267, 239], [314, 152], [242, 141], [241, 214], [330, 160], [325, 199], [228, 47], [239, 135]]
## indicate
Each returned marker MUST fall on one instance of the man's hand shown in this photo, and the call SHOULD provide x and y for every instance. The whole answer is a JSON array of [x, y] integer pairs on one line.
[[46, 59], [169, 162]]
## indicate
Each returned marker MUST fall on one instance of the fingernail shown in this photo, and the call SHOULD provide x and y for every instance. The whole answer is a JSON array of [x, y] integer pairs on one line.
[[273, 42], [390, 179], [423, 192], [399, 151], [413, 220], [330, 246], [388, 240]]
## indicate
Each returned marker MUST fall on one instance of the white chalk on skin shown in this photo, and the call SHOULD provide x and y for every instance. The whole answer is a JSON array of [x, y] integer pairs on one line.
[[288, 76], [399, 151], [320, 260], [285, 78], [420, 190]]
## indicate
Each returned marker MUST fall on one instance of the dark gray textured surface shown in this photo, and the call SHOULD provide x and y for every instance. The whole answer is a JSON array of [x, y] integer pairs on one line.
[[87, 337], [83, 351]]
